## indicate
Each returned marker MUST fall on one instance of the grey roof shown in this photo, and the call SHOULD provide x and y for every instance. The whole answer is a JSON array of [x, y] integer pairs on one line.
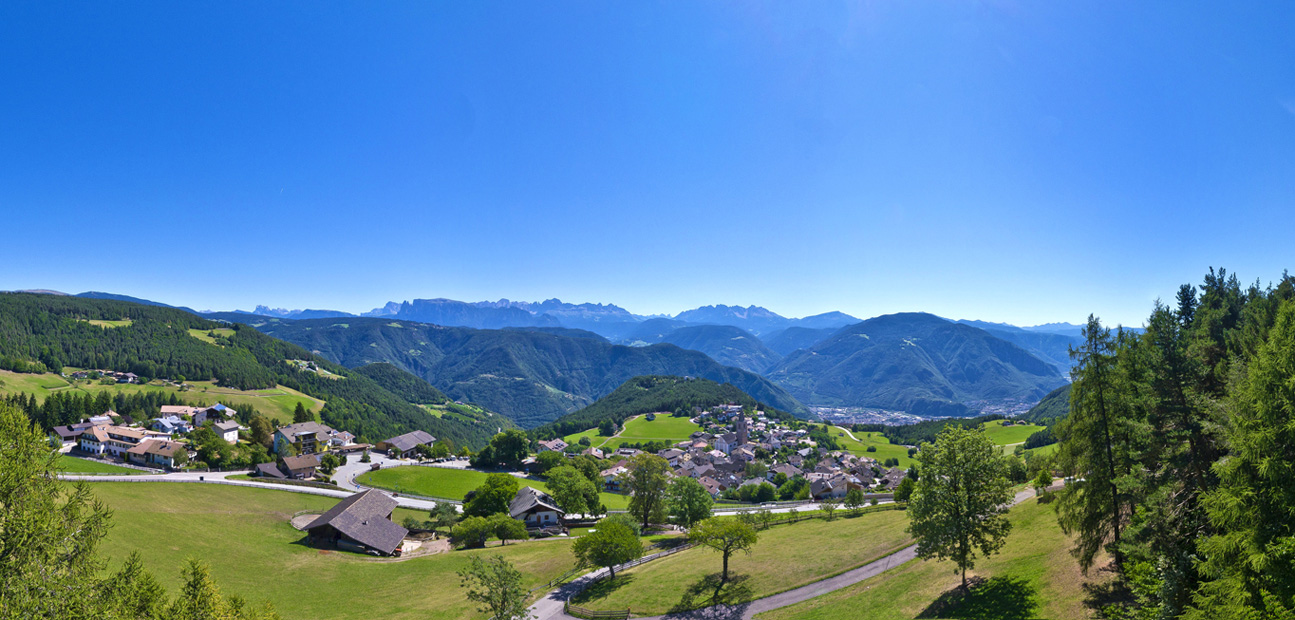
[[291, 431], [407, 441], [529, 498], [225, 427], [269, 470], [363, 518]]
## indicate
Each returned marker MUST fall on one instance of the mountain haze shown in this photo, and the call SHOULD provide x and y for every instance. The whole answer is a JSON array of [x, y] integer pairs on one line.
[[914, 362]]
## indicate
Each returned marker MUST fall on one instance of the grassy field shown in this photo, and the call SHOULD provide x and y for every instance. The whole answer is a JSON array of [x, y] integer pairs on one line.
[[452, 483], [40, 385], [204, 334], [786, 557], [640, 430], [1046, 450], [253, 552], [277, 402], [1033, 577], [73, 465], [107, 324], [1009, 435], [594, 438], [884, 449]]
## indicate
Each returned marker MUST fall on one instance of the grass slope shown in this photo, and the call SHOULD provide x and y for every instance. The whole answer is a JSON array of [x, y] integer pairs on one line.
[[884, 449], [73, 465], [244, 535], [786, 557], [452, 483], [1009, 435], [640, 430], [1033, 577]]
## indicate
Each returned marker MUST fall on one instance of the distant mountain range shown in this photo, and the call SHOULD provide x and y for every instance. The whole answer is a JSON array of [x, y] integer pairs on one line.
[[536, 361], [914, 362], [533, 377]]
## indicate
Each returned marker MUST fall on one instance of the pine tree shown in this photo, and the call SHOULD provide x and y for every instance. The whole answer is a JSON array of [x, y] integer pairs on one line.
[[1251, 560]]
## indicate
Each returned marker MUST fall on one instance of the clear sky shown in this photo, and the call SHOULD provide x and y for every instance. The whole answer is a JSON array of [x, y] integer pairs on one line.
[[1023, 162]]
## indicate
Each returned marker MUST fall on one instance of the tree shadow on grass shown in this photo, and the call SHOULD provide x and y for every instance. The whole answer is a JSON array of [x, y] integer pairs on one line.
[[1005, 598], [603, 588], [1100, 595], [711, 591]]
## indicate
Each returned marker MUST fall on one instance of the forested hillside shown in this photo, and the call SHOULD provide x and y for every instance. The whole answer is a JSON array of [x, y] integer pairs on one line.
[[403, 384], [531, 377], [40, 332], [728, 345], [788, 341], [1054, 406], [914, 362], [651, 394]]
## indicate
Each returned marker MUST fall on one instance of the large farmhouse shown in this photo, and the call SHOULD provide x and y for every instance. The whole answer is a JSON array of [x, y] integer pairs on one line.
[[361, 523]]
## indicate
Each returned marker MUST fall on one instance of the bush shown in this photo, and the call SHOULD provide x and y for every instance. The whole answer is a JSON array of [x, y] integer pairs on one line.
[[872, 448]]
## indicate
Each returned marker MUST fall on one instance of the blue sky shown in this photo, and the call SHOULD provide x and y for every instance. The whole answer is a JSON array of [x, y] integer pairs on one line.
[[1022, 162]]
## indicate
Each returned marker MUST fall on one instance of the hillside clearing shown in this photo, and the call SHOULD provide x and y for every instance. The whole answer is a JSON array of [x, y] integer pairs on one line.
[[883, 448], [205, 334], [448, 483], [1034, 577], [639, 429], [245, 536], [1009, 435]]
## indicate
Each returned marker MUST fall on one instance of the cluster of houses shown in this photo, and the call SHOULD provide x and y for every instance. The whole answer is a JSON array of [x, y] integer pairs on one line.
[[300, 448], [121, 377], [718, 457], [109, 435]]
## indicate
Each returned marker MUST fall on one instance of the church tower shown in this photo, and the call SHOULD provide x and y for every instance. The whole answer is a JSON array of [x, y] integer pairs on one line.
[[741, 428]]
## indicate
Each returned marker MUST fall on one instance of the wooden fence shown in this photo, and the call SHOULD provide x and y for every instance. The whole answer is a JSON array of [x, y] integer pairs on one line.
[[581, 612]]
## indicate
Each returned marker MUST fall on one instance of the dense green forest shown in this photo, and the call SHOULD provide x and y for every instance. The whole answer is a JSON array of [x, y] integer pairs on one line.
[[1183, 441], [531, 377], [39, 332], [914, 362], [403, 384], [728, 345], [654, 393]]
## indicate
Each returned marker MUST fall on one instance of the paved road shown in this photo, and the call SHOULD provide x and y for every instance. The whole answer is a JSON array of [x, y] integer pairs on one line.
[[550, 607], [221, 477]]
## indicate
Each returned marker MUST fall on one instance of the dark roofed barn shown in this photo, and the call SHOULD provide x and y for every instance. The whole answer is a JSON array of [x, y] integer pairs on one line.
[[405, 446], [361, 522]]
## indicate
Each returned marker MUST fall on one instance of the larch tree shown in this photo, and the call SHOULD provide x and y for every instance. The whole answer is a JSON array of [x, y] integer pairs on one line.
[[1095, 448]]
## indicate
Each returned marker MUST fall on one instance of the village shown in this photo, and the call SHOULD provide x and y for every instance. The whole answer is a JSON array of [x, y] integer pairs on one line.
[[741, 458]]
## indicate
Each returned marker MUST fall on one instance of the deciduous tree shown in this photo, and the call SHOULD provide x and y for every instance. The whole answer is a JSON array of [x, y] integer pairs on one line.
[[494, 495], [689, 502], [610, 544], [496, 586], [647, 481], [727, 536], [960, 503]]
